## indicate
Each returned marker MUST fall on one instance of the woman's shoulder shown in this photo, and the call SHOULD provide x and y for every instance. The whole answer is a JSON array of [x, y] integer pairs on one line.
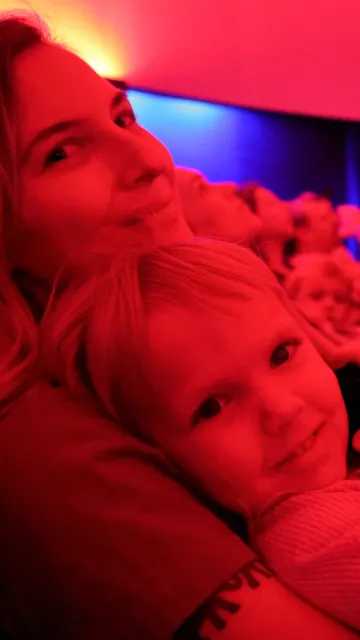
[[91, 517], [46, 420]]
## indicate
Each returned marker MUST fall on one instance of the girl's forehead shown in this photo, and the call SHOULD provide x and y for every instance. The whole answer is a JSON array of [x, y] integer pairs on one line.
[[215, 316]]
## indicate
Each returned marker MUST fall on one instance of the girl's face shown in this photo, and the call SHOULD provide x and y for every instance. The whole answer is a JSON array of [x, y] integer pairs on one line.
[[246, 405], [213, 209], [324, 299], [85, 163]]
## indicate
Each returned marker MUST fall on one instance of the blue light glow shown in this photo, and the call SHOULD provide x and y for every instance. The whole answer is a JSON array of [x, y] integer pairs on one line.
[[288, 154], [198, 134]]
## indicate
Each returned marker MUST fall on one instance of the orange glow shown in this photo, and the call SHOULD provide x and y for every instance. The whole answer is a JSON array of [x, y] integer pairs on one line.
[[277, 55], [78, 27]]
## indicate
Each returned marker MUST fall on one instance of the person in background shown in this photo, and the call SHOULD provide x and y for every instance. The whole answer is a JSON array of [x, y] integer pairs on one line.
[[322, 292], [349, 218], [247, 409], [277, 230], [100, 537], [276, 226], [353, 272], [317, 229], [215, 209]]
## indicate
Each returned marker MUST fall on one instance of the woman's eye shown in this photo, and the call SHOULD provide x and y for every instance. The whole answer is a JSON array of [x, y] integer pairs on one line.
[[283, 353], [126, 119], [55, 156], [209, 409], [62, 152]]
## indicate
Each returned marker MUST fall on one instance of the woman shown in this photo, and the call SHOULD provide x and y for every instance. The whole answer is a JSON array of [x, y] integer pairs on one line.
[[98, 538]]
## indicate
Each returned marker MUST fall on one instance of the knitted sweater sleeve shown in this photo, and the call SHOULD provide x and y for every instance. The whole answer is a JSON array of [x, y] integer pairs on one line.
[[312, 543]]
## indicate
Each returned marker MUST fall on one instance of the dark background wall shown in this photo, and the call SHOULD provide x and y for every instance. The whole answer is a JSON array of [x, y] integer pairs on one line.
[[288, 154]]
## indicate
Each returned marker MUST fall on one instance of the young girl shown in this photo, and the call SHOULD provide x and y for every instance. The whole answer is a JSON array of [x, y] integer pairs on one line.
[[196, 348]]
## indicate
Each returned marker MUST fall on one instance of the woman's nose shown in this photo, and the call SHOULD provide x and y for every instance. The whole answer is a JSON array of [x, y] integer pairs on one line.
[[139, 160]]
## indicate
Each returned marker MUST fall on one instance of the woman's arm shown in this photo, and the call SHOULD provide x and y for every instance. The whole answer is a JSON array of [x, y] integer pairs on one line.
[[253, 605]]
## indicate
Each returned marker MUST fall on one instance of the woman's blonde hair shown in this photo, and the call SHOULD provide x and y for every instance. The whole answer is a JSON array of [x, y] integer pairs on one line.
[[94, 336], [19, 31]]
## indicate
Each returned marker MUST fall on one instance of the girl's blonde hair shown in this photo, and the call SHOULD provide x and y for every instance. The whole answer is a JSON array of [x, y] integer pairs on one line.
[[19, 31], [94, 335]]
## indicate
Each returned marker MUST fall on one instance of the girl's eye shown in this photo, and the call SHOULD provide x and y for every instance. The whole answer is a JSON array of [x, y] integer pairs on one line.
[[126, 119], [210, 408], [283, 353]]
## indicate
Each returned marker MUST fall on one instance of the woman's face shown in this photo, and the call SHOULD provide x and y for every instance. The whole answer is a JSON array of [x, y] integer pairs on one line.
[[85, 163]]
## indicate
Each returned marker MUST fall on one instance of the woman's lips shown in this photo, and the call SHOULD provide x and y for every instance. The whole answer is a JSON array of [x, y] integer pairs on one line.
[[150, 202], [142, 214]]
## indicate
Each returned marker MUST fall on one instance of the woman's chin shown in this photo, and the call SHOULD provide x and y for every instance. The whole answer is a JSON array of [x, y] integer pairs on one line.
[[171, 230]]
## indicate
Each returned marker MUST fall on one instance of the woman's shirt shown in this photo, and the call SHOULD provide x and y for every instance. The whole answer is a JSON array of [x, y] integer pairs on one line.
[[99, 539]]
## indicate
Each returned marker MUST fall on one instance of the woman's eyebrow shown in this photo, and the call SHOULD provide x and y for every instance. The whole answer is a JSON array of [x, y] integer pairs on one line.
[[64, 125]]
